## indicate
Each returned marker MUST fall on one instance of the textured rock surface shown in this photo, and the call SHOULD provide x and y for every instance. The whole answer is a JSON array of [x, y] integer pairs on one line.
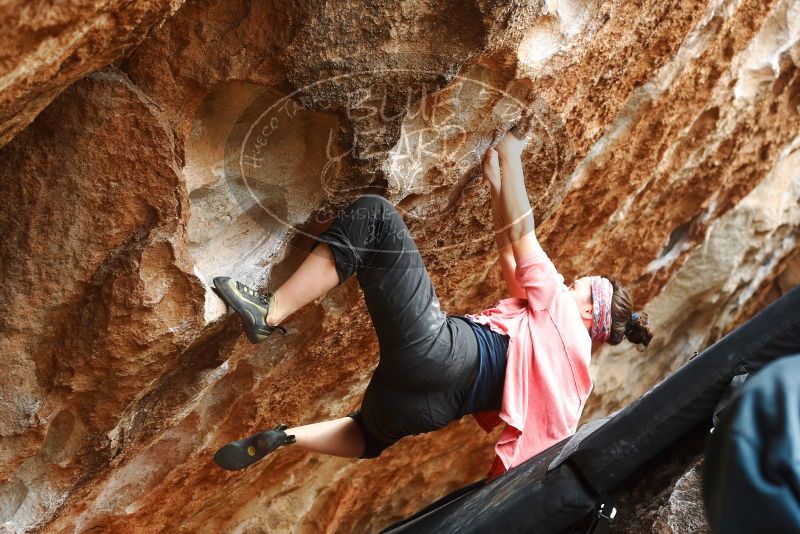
[[46, 45], [666, 495], [666, 153], [683, 511]]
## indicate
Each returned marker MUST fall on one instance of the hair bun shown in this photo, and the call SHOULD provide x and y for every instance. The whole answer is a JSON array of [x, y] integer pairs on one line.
[[632, 322], [637, 330]]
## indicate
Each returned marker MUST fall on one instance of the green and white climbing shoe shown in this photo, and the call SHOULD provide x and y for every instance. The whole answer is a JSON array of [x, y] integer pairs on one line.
[[244, 452], [252, 306]]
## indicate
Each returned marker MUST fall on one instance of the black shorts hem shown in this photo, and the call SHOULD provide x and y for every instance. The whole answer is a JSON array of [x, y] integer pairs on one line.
[[372, 448]]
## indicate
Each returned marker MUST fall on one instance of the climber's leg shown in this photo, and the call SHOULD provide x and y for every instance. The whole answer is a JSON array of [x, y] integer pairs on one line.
[[337, 437], [426, 358], [390, 412], [371, 240], [260, 313], [368, 238], [315, 277]]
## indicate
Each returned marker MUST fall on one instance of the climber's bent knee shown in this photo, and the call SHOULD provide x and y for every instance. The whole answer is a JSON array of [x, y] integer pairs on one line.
[[373, 202], [358, 231], [374, 211]]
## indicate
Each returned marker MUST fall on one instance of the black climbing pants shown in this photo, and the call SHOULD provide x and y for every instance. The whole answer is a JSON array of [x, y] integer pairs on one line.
[[427, 358]]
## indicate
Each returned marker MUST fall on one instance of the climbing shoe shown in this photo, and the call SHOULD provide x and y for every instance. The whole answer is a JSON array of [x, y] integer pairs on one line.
[[244, 452], [252, 306]]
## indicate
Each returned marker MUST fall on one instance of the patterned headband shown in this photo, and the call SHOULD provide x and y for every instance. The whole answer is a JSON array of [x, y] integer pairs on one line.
[[601, 309]]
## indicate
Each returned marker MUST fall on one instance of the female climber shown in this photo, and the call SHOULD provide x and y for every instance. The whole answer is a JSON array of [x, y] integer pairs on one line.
[[524, 362]]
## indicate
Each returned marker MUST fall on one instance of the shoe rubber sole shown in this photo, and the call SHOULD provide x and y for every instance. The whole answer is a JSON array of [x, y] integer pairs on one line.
[[242, 453], [246, 311]]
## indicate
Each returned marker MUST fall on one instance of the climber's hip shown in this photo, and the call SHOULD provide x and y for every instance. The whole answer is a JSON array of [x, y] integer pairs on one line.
[[395, 406]]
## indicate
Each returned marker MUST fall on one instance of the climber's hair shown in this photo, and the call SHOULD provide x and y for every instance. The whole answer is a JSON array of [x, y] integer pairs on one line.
[[625, 324]]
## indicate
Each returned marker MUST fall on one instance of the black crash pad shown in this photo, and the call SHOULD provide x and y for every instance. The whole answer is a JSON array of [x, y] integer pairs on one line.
[[526, 499]]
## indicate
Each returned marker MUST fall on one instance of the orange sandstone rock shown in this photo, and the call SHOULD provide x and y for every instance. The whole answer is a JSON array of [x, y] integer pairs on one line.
[[666, 153], [45, 46]]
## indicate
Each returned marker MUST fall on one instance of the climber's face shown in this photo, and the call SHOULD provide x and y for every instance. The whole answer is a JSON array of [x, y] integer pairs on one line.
[[581, 291]]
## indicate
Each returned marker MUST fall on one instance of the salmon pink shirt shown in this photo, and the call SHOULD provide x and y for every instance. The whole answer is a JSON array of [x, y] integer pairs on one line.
[[547, 372]]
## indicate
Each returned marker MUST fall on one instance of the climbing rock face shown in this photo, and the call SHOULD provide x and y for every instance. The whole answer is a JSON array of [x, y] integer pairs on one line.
[[46, 46], [666, 495], [227, 134], [683, 511]]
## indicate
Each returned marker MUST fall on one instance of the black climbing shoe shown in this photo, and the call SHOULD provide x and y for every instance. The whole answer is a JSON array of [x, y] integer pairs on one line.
[[244, 452], [252, 306]]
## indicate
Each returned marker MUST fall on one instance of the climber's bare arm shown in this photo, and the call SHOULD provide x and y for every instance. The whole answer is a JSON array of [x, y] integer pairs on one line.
[[514, 206], [491, 173]]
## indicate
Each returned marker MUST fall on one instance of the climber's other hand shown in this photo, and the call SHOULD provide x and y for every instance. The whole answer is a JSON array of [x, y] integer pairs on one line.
[[491, 169]]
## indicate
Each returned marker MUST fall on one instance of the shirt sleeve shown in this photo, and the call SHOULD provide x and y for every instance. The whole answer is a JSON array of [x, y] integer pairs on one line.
[[539, 278]]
